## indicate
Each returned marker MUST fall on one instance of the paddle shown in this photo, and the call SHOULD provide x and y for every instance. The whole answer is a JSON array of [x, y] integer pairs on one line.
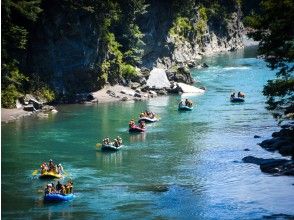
[[35, 172], [157, 116], [65, 173], [40, 191]]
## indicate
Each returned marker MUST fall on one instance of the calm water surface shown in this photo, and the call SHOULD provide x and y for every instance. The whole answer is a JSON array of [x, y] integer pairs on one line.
[[187, 166]]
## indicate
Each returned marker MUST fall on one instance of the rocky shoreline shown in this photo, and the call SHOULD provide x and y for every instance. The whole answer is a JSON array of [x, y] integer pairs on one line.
[[283, 142], [147, 84]]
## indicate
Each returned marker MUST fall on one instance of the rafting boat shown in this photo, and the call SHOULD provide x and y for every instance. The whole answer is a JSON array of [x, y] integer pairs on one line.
[[110, 147], [185, 108], [136, 129], [50, 175], [237, 99], [57, 197], [148, 120]]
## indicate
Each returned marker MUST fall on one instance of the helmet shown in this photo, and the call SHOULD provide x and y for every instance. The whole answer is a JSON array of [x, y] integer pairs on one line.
[[50, 160]]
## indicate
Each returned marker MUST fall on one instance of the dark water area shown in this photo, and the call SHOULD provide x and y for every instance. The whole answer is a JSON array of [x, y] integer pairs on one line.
[[186, 166]]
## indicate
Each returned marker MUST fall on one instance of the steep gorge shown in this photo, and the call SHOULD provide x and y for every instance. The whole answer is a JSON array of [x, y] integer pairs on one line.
[[78, 46]]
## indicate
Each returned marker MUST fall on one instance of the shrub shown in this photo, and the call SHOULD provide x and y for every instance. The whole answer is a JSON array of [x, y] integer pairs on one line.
[[180, 27], [128, 70], [201, 25], [9, 95], [45, 93]]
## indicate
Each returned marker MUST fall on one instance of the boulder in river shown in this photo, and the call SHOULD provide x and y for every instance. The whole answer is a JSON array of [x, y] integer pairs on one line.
[[158, 79], [272, 166], [282, 141]]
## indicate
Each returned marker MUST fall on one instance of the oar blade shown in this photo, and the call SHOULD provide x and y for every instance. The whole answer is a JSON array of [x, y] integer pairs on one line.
[[35, 172]]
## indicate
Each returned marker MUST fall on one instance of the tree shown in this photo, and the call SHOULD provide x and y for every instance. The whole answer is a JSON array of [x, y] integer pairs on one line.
[[17, 17], [275, 31]]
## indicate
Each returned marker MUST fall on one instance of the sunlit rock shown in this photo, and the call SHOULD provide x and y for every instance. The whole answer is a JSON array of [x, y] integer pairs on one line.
[[158, 79]]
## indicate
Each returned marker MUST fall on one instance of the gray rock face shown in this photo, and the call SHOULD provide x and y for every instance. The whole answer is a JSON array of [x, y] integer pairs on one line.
[[64, 44], [66, 48], [219, 37], [181, 74]]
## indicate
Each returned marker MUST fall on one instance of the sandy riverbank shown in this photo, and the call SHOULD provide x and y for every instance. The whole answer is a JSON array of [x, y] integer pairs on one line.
[[117, 93], [107, 94], [8, 115]]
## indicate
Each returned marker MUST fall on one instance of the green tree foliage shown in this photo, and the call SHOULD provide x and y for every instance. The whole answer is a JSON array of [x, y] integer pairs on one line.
[[181, 27], [128, 70], [17, 18], [12, 85], [122, 38], [201, 25], [275, 31]]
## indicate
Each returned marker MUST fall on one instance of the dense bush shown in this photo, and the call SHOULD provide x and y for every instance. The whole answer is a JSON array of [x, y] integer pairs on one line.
[[128, 70], [181, 26], [9, 95], [45, 93]]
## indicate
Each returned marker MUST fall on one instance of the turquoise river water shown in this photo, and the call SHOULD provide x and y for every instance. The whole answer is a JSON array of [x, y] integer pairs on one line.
[[186, 166]]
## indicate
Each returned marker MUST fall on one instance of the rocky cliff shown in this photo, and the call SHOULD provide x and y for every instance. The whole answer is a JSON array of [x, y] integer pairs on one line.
[[67, 49], [166, 49]]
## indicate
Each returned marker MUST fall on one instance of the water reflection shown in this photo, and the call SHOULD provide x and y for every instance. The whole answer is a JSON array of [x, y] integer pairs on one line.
[[137, 137], [159, 101], [110, 158]]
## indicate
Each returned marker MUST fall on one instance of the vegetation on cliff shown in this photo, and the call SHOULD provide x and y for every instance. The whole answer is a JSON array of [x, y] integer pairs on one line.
[[17, 19], [114, 23]]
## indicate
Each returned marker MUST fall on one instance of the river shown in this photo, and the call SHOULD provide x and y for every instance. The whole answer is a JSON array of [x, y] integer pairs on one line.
[[186, 166]]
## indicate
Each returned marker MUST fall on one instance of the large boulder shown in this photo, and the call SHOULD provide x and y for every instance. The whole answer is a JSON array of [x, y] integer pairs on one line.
[[145, 72], [29, 107], [158, 79], [259, 161], [137, 78], [180, 74], [134, 85], [284, 144], [272, 166], [285, 132], [29, 100], [279, 167], [183, 75]]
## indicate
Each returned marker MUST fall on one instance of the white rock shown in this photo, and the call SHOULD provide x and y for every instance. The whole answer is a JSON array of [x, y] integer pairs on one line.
[[152, 92], [54, 111], [131, 93], [190, 89], [158, 79], [18, 104]]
